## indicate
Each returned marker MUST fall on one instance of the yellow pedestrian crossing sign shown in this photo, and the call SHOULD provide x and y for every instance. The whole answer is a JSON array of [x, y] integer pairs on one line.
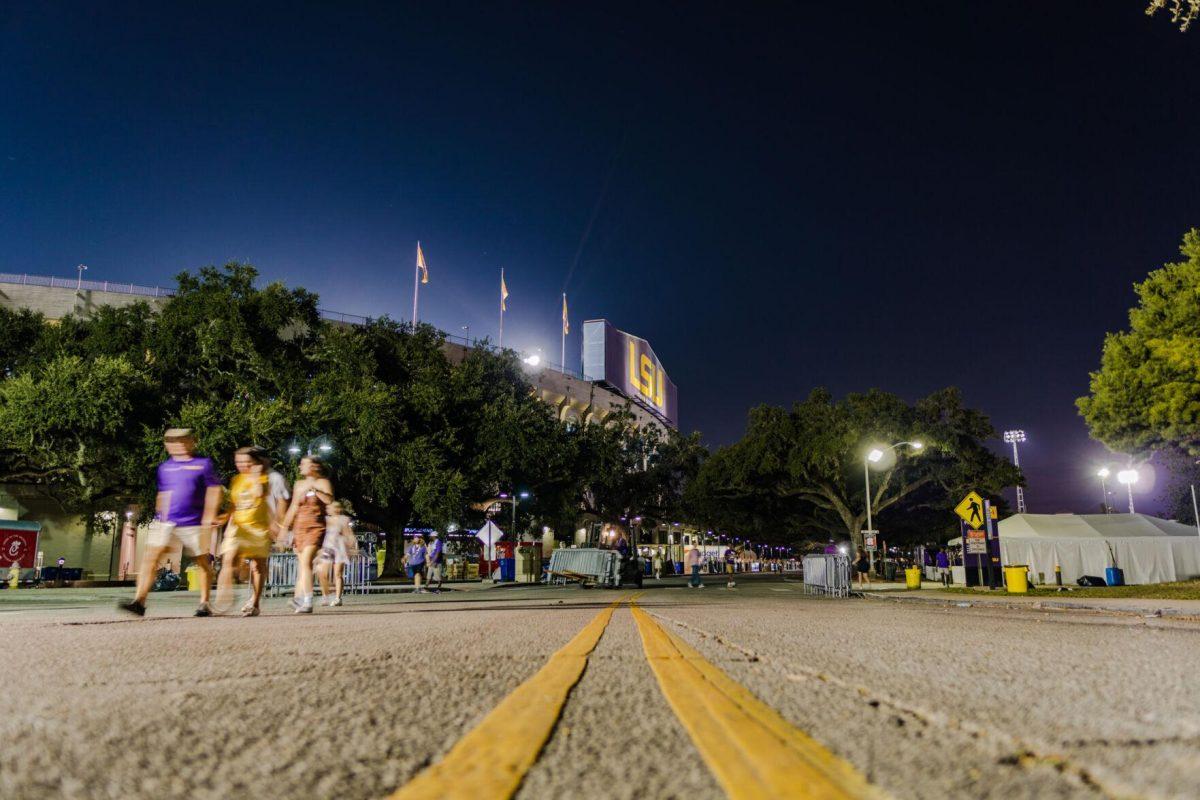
[[971, 509]]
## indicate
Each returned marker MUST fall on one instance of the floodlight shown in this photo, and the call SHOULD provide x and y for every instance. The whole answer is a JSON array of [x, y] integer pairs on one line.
[[1103, 473], [1128, 476], [875, 455], [1014, 436], [533, 360]]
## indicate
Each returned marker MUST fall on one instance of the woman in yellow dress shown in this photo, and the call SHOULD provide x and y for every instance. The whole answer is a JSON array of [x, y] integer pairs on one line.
[[249, 533]]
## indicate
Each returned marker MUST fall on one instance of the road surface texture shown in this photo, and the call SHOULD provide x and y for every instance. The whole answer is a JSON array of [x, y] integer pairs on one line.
[[921, 699]]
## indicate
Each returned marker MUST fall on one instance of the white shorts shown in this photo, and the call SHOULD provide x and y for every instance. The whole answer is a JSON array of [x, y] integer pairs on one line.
[[196, 541]]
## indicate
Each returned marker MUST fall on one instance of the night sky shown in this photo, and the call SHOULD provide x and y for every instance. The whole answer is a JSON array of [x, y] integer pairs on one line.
[[778, 197]]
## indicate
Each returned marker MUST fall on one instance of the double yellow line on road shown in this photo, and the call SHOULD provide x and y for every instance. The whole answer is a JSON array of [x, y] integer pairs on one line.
[[753, 751], [491, 760]]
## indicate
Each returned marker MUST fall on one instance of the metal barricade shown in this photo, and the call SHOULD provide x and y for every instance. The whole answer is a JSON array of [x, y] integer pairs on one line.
[[589, 564], [827, 575], [283, 569]]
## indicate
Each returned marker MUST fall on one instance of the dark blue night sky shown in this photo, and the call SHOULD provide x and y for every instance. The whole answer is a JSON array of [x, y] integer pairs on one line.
[[902, 195]]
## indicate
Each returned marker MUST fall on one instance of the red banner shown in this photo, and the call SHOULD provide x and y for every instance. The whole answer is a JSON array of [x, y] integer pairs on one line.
[[19, 546]]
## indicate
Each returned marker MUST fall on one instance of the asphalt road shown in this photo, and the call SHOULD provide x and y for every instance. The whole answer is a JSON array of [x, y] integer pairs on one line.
[[926, 701]]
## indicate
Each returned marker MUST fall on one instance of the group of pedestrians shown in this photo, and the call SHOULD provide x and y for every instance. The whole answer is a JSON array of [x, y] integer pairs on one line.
[[425, 562], [263, 512]]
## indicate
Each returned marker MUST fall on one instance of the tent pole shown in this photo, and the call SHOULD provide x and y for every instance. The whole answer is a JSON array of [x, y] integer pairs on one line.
[[1195, 512]]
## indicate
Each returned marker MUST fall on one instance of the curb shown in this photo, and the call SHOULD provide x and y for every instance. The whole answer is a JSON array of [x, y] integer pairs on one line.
[[1046, 605]]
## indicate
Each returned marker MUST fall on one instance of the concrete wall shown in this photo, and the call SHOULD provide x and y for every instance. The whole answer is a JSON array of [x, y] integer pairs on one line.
[[62, 535], [55, 302]]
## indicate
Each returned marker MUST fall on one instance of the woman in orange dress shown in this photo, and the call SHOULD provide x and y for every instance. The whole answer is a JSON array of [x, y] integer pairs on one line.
[[306, 519]]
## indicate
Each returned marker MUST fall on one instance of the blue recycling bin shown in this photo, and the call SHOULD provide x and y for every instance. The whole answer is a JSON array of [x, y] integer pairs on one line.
[[1114, 576], [508, 569]]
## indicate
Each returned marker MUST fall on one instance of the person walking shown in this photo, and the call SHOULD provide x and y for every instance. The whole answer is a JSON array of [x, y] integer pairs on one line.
[[250, 529], [435, 557], [338, 547], [414, 562], [692, 561], [943, 567], [658, 565], [306, 521], [862, 566], [189, 493]]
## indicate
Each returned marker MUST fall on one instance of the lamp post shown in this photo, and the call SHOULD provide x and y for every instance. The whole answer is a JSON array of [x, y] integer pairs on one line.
[[514, 498], [1013, 438], [1129, 477], [1103, 474], [79, 283], [873, 457]]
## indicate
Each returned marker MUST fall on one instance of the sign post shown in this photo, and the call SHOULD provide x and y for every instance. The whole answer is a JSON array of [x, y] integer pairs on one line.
[[972, 510]]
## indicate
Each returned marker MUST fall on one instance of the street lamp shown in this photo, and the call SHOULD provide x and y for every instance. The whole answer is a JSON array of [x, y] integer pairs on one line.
[[80, 269], [1128, 477], [319, 446], [515, 498], [874, 456], [1013, 438], [1103, 474]]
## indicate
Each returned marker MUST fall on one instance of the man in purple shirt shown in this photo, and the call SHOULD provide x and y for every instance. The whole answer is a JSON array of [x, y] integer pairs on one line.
[[189, 493]]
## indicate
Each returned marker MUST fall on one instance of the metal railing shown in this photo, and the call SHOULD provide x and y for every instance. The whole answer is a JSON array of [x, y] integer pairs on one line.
[[827, 575], [600, 566], [282, 569]]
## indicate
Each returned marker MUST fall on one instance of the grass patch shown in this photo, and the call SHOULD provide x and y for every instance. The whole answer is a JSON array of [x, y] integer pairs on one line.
[[1182, 590]]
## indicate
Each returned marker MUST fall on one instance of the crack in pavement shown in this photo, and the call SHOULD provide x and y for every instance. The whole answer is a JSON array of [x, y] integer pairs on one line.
[[1023, 753]]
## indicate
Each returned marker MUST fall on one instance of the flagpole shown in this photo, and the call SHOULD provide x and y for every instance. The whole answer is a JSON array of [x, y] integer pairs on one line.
[[562, 359], [501, 308], [416, 286]]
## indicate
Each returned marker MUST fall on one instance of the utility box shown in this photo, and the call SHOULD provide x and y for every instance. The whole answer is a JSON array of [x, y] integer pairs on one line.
[[529, 563]]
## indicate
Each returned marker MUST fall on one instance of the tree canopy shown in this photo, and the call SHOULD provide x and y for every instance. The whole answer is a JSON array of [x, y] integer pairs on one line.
[[1146, 394], [416, 437], [804, 466]]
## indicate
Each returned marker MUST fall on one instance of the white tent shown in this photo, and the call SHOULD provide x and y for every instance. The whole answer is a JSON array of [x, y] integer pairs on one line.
[[1147, 549]]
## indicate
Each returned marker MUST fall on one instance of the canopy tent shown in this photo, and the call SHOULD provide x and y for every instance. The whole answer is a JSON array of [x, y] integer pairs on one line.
[[1147, 549]]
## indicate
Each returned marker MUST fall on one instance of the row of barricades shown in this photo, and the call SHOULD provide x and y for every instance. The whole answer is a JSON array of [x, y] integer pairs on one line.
[[827, 574], [282, 569]]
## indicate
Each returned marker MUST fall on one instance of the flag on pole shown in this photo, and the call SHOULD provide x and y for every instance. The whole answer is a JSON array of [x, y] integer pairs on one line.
[[503, 292], [566, 322], [421, 264]]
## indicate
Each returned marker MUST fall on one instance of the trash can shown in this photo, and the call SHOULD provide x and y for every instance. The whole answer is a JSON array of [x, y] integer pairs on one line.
[[912, 577], [193, 578], [506, 557], [1114, 576], [1016, 576]]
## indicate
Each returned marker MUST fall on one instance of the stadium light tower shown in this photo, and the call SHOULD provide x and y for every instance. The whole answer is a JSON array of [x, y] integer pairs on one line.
[[1013, 438]]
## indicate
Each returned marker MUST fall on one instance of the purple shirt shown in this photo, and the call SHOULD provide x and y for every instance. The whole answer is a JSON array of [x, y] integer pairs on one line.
[[435, 552], [186, 480]]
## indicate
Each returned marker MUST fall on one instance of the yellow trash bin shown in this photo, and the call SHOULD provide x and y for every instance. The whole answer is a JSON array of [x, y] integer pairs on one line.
[[912, 577], [193, 578], [1017, 578]]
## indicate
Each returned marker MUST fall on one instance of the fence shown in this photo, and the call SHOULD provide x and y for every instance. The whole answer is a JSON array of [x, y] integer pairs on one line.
[[601, 566], [282, 569], [827, 575]]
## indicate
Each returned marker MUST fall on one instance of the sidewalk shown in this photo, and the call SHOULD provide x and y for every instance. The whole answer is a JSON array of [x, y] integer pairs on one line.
[[1116, 605]]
